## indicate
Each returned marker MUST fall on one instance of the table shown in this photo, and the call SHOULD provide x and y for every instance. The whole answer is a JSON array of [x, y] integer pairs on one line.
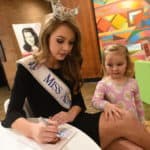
[[11, 139]]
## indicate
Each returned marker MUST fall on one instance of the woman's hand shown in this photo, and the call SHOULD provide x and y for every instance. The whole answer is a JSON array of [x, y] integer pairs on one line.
[[111, 111], [45, 133], [63, 117]]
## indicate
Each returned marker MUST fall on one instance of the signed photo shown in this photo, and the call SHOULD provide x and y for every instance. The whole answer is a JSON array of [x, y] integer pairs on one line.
[[27, 37]]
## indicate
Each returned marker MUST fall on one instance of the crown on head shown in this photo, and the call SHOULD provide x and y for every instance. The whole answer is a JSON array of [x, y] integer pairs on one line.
[[61, 12]]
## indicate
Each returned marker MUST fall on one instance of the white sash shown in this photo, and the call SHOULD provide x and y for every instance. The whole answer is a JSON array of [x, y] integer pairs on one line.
[[48, 80]]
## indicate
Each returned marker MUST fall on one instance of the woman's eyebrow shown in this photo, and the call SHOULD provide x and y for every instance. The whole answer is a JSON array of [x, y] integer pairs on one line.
[[63, 37]]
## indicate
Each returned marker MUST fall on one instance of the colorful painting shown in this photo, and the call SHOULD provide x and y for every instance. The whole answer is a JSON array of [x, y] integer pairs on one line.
[[27, 37], [126, 22]]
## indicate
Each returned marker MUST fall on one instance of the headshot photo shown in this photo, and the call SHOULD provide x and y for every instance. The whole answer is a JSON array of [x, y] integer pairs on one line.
[[31, 41], [27, 37]]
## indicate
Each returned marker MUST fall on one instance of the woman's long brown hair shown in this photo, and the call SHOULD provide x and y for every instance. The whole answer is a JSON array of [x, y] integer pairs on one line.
[[71, 65]]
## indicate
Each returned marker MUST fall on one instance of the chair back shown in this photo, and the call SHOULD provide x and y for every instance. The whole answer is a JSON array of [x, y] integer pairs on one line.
[[26, 107]]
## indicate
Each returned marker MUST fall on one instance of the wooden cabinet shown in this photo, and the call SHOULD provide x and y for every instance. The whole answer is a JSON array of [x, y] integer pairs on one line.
[[90, 50]]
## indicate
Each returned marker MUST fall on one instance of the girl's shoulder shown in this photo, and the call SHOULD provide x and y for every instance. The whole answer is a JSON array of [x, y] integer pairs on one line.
[[132, 80], [104, 81], [132, 83]]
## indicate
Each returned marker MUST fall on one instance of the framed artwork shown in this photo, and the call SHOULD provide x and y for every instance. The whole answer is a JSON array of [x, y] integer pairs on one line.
[[27, 37], [2, 53], [123, 21]]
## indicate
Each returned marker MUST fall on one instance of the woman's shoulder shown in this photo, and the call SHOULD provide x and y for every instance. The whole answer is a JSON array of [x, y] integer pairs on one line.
[[20, 67], [21, 70]]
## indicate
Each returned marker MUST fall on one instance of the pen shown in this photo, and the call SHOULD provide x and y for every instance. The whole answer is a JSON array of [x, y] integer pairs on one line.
[[44, 120]]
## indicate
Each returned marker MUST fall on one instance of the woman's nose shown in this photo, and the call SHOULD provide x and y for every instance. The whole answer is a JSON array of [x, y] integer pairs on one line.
[[67, 47]]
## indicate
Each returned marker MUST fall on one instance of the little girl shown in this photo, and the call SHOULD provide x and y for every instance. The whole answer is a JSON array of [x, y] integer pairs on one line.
[[118, 91]]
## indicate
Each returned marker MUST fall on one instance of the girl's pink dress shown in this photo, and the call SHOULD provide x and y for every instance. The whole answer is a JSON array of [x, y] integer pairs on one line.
[[126, 96]]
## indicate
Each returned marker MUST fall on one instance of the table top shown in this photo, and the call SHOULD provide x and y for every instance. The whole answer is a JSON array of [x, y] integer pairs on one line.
[[76, 140]]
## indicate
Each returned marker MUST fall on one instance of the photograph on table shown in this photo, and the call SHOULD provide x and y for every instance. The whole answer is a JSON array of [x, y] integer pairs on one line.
[[27, 37]]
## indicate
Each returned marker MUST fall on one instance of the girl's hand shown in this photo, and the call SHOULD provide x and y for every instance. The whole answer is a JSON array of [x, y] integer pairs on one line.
[[62, 117], [44, 133], [112, 111]]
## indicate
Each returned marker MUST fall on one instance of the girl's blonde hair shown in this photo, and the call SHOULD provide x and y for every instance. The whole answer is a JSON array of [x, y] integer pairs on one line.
[[70, 67], [121, 49]]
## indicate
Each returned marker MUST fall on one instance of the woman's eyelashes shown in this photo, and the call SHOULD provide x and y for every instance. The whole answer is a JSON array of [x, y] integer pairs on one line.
[[61, 41]]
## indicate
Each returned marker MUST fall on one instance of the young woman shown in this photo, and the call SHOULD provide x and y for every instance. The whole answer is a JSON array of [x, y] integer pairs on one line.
[[51, 82]]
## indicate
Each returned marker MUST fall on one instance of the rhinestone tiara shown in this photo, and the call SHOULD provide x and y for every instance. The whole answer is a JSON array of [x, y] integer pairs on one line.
[[61, 12]]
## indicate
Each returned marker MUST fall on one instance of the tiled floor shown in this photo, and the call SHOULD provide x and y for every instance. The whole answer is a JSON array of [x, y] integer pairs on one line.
[[87, 91]]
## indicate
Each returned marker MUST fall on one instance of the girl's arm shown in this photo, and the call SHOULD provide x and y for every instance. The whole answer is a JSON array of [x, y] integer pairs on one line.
[[111, 111], [98, 100]]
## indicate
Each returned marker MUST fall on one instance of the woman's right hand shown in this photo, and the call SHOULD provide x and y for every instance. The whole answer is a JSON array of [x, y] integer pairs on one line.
[[111, 111], [43, 133]]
